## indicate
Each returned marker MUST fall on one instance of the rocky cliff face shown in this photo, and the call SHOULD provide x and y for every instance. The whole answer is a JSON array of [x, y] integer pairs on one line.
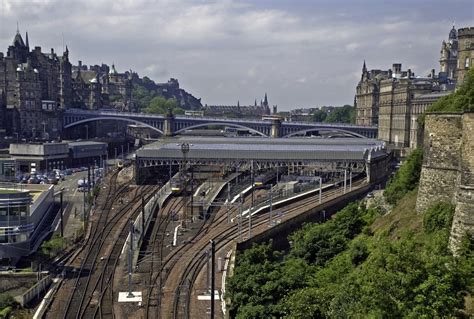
[[448, 169]]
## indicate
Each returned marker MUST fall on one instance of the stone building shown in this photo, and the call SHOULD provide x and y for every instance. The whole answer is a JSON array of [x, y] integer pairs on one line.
[[449, 55], [37, 87], [465, 53], [240, 110], [394, 99], [367, 96]]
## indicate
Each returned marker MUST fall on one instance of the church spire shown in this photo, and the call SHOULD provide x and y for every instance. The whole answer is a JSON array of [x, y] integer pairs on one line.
[[265, 100], [17, 28], [27, 42], [364, 68]]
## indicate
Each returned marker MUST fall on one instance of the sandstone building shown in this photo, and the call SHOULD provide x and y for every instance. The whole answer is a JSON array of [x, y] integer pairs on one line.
[[36, 86], [394, 99], [240, 110], [465, 53], [367, 96]]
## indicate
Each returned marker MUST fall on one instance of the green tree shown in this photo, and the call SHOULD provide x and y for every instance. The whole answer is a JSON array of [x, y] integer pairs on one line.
[[319, 116], [438, 217], [344, 114], [461, 100], [161, 105]]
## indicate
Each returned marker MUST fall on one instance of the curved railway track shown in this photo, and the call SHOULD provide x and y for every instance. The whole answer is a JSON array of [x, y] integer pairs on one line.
[[92, 283], [224, 236]]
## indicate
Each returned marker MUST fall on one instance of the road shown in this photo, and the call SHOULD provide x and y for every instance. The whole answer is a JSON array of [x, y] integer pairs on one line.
[[73, 204]]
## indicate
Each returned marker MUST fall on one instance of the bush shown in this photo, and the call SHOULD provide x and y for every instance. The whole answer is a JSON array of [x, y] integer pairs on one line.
[[406, 179], [53, 246], [6, 300], [5, 312], [438, 217], [461, 100]]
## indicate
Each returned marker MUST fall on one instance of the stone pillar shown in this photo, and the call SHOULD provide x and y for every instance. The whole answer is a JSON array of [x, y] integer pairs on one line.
[[276, 126], [168, 124]]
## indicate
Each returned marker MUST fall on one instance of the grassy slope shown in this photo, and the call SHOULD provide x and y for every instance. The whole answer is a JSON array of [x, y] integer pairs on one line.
[[402, 218]]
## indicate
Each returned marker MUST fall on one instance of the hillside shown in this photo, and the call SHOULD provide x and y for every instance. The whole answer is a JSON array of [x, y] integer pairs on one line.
[[361, 263], [148, 94]]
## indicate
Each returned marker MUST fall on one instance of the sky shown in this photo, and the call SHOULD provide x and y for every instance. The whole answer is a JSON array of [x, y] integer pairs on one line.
[[303, 53]]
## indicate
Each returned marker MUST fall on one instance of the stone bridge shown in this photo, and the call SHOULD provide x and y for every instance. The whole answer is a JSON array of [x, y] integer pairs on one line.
[[169, 124]]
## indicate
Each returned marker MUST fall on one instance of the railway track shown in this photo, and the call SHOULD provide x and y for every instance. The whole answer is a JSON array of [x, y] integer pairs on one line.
[[90, 282], [151, 261], [103, 287], [223, 235], [178, 255]]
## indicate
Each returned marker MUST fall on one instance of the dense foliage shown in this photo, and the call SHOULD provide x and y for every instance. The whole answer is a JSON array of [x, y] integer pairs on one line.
[[360, 264], [329, 273], [461, 100], [343, 114], [7, 304], [53, 246], [158, 98], [406, 179]]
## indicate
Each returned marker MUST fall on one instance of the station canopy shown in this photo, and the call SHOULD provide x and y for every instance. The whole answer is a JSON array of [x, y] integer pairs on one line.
[[261, 149]]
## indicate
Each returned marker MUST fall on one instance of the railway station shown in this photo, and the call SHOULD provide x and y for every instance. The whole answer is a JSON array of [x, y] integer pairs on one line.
[[323, 155]]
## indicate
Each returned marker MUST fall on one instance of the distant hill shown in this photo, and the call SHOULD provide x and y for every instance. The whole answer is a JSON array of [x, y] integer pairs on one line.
[[145, 89]]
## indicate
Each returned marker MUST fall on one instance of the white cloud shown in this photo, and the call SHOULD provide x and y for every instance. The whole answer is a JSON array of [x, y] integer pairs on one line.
[[238, 49]]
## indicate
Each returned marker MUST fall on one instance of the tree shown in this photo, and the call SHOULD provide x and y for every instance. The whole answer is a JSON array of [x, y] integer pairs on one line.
[[461, 100], [160, 105], [345, 114], [319, 116]]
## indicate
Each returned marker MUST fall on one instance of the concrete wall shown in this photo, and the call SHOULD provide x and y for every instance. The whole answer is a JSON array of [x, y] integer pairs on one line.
[[448, 169]]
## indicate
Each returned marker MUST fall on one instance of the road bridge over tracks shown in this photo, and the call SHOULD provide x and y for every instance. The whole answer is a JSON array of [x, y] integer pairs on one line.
[[169, 124]]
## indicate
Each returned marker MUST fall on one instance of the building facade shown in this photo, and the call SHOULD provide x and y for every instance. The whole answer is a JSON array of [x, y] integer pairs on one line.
[[449, 55], [465, 53], [238, 110], [395, 99], [25, 220], [27, 79], [366, 100]]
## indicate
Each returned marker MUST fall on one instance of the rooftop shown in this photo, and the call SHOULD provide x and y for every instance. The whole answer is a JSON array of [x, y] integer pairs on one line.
[[258, 148]]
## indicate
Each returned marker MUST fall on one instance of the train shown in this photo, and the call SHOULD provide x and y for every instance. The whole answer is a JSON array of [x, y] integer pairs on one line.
[[264, 178], [178, 186]]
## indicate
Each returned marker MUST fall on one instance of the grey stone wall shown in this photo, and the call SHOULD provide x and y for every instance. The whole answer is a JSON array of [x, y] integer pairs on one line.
[[463, 221], [448, 169], [441, 161]]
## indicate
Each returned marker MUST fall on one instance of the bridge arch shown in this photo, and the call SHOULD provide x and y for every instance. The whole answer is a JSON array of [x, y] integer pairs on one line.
[[327, 129], [220, 124], [101, 118]]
